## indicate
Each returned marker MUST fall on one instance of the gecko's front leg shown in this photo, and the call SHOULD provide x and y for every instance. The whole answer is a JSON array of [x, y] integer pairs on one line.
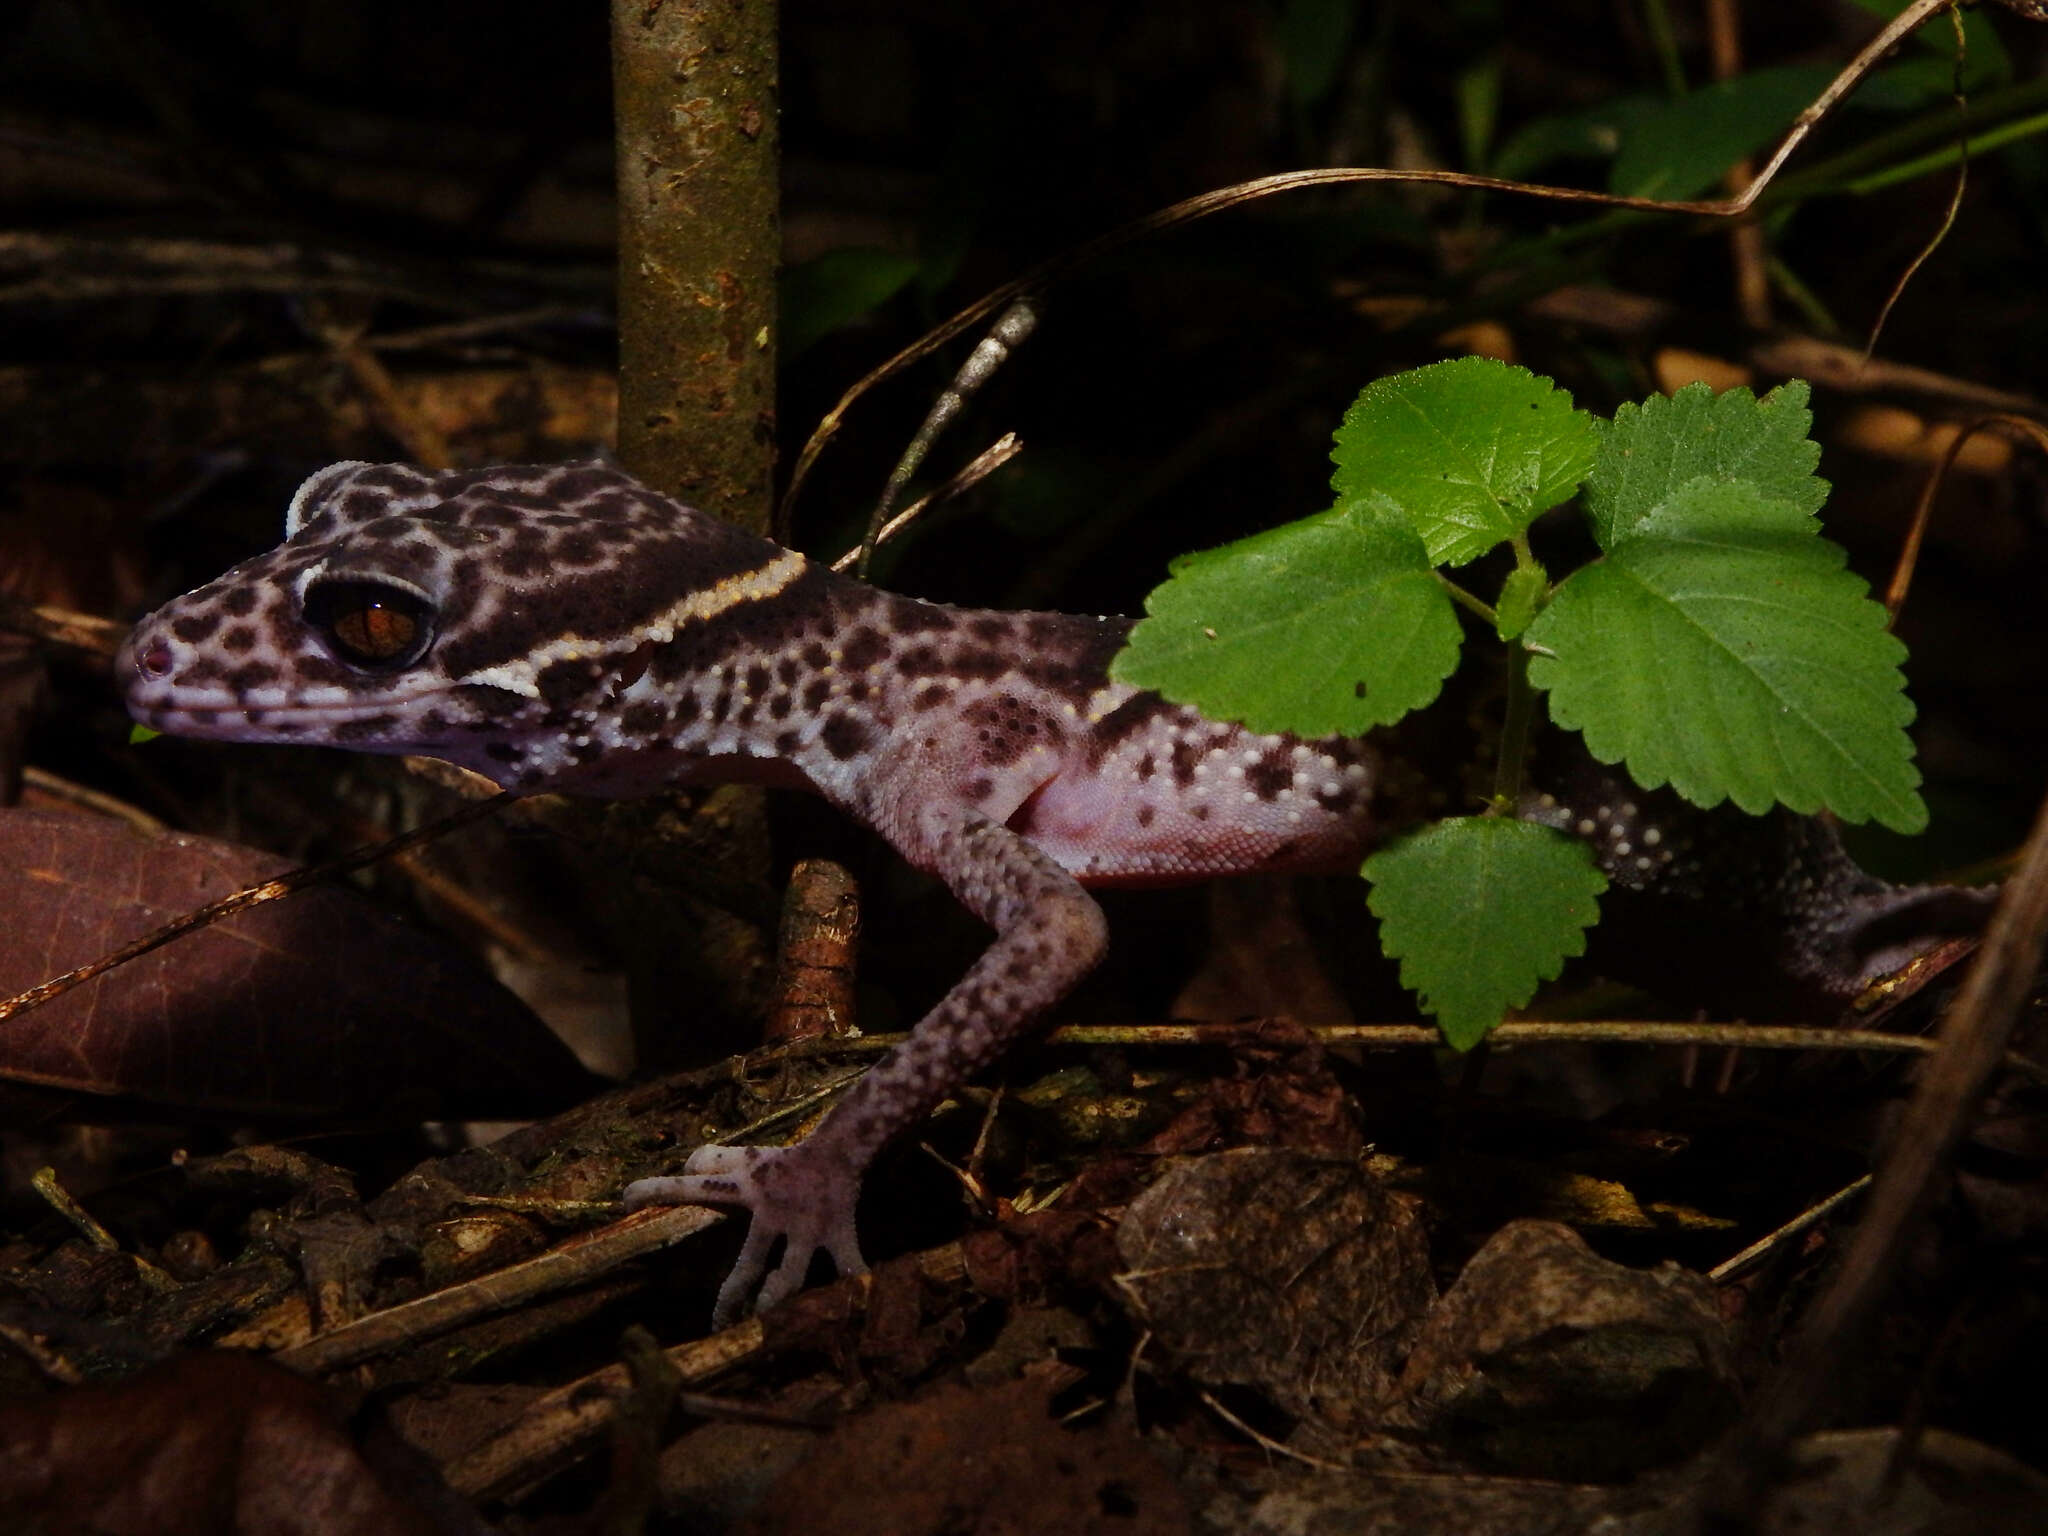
[[1049, 934]]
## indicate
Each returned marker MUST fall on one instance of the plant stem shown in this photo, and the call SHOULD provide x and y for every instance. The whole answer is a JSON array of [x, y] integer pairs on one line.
[[1981, 144], [694, 93], [1466, 600], [1514, 733], [1939, 125]]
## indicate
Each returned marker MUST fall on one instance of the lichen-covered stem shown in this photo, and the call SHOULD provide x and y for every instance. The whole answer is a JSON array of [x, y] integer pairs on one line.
[[695, 86]]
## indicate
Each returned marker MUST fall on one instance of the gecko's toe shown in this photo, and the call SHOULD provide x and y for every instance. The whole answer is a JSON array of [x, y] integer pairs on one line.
[[642, 1193], [798, 1196]]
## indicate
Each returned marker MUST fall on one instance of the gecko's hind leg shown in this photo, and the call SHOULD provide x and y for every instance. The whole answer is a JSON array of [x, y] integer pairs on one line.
[[1049, 934]]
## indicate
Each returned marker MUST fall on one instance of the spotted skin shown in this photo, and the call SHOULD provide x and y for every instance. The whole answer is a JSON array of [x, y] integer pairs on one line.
[[580, 632], [565, 628], [1766, 917]]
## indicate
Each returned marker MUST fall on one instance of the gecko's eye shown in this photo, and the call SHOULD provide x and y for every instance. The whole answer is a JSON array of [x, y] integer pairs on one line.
[[370, 624]]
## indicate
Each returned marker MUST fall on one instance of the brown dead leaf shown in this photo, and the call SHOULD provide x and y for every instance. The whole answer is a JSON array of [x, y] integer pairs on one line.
[[315, 1005], [1301, 1276], [211, 1445]]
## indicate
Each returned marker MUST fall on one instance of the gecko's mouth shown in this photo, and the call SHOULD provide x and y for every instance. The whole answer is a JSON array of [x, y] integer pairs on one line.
[[146, 668], [360, 726]]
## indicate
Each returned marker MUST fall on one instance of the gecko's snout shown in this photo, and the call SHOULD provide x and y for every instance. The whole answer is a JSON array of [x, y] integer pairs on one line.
[[142, 664]]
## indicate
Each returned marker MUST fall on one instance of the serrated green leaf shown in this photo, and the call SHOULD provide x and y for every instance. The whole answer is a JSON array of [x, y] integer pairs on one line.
[[1722, 648], [1479, 910], [1520, 597], [1684, 146], [1331, 625], [1470, 450], [1651, 450]]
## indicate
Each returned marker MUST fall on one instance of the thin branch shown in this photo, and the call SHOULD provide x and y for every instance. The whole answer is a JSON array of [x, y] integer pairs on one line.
[[1011, 330], [37, 267], [423, 442], [1265, 1442], [1400, 1037], [578, 1261], [1514, 733], [977, 469], [1955, 199], [1475, 605], [1728, 1268]]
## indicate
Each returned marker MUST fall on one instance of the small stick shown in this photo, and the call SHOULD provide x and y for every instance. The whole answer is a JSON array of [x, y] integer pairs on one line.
[[576, 1262], [44, 1182], [1730, 1267], [979, 468], [1396, 1037], [816, 954], [1955, 197], [1012, 328]]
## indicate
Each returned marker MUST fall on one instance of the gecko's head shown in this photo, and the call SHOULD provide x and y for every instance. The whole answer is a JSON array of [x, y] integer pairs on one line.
[[483, 616]]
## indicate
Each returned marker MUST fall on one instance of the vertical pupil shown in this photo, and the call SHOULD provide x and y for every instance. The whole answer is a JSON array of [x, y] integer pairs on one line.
[[376, 629]]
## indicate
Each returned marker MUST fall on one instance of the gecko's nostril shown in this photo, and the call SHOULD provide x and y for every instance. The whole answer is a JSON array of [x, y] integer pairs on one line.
[[154, 659]]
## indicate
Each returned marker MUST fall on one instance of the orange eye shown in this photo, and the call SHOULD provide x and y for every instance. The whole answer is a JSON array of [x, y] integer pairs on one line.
[[369, 624], [376, 631]]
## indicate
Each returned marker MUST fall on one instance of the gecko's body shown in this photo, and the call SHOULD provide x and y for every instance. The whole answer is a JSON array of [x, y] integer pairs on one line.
[[563, 627]]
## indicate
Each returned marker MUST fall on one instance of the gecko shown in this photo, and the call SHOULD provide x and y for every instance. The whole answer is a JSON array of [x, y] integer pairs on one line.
[[566, 628]]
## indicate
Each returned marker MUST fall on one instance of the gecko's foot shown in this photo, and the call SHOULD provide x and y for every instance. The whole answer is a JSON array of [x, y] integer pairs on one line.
[[804, 1197]]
